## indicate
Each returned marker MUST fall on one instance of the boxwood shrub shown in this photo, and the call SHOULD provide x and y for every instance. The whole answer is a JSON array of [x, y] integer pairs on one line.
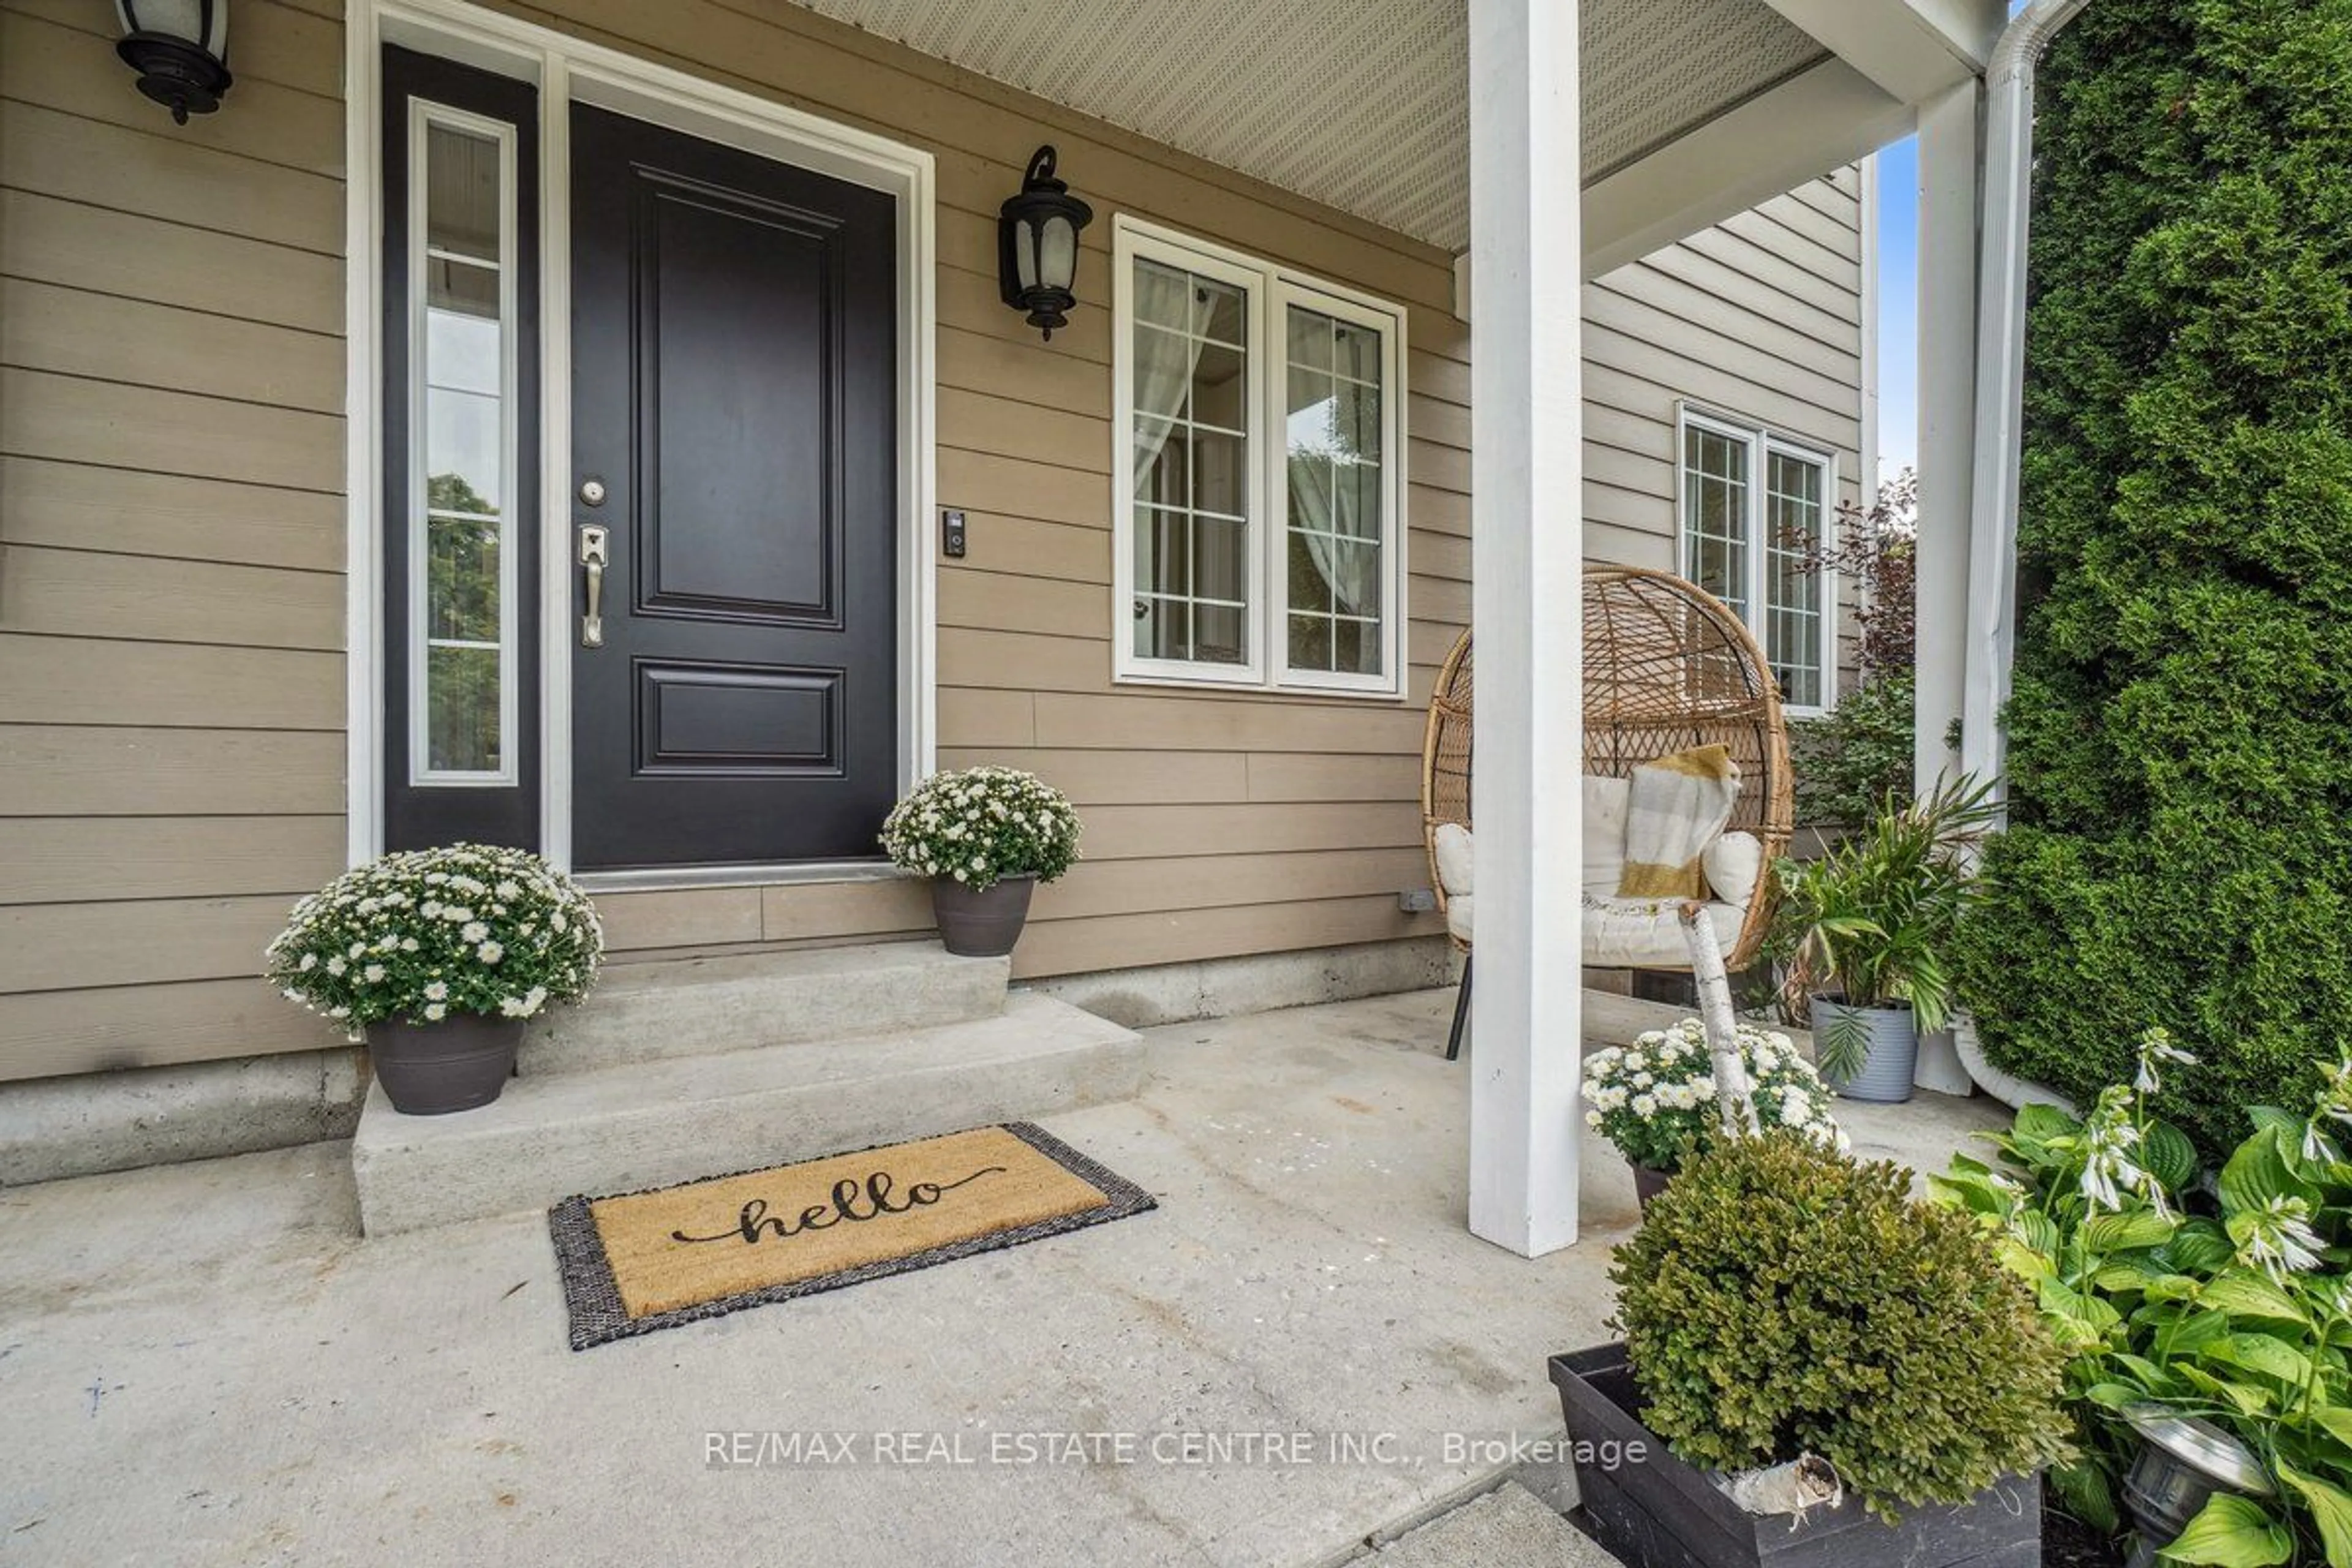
[[2180, 732], [1781, 1299]]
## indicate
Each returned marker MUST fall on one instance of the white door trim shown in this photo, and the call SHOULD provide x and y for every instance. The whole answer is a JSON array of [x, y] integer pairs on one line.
[[566, 69]]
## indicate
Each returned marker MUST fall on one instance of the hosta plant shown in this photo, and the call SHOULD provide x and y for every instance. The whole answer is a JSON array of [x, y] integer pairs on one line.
[[1782, 1299], [980, 825], [422, 934], [1656, 1100], [2218, 1293]]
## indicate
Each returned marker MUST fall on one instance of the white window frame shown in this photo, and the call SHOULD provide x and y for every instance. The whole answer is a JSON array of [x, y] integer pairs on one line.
[[423, 116], [1271, 288], [1761, 440]]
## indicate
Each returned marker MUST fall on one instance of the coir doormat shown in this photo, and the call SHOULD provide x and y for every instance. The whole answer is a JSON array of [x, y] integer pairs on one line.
[[642, 1261]]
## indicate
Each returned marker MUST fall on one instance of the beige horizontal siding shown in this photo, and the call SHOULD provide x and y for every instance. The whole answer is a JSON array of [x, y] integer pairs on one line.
[[172, 539], [1758, 319], [51, 1032], [172, 533]]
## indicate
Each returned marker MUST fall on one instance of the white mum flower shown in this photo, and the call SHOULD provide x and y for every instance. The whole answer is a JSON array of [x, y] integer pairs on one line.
[[434, 1011], [374, 974], [475, 932], [489, 952], [309, 961], [338, 964], [438, 991]]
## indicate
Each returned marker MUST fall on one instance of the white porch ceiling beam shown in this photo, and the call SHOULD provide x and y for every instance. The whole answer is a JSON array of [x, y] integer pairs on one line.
[[1913, 50], [1818, 121], [1526, 610]]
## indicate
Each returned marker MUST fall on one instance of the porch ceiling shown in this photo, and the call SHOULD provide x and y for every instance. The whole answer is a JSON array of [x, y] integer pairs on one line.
[[1363, 106]]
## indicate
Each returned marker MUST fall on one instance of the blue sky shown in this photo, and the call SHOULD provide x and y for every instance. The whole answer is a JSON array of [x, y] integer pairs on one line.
[[1898, 306]]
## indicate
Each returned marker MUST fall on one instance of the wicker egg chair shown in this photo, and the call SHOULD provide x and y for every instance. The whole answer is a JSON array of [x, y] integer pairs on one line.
[[1667, 666]]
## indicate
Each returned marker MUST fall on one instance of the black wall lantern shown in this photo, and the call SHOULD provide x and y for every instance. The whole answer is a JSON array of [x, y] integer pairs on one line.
[[180, 50], [1037, 245]]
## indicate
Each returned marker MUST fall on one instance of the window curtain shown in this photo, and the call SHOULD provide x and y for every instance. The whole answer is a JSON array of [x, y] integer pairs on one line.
[[1321, 506], [1164, 361]]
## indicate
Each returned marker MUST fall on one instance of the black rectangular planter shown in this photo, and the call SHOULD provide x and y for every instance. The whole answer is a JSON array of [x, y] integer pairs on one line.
[[1655, 1511]]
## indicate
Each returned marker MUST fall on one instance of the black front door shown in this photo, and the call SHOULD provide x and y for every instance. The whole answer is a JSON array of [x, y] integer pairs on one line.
[[735, 402]]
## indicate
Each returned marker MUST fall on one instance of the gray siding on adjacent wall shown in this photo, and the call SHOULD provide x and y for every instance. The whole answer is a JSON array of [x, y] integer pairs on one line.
[[172, 622]]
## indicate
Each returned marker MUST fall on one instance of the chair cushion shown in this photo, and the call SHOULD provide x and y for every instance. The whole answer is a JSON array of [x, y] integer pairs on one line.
[[1457, 915], [1734, 863], [1647, 933], [1617, 933], [1604, 833], [1454, 860], [1676, 807]]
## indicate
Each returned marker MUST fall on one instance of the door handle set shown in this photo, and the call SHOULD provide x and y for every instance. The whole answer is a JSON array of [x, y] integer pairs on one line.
[[594, 558]]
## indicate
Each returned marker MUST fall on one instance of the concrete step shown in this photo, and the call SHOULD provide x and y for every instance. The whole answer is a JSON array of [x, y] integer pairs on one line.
[[646, 1124], [700, 1006]]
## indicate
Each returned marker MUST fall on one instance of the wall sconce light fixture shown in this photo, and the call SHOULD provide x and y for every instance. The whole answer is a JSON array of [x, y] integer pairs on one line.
[[180, 50], [1037, 245]]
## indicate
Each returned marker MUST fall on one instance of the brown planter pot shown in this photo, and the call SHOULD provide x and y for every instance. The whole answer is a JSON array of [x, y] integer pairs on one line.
[[432, 1069], [984, 924], [1655, 1512], [1648, 1183]]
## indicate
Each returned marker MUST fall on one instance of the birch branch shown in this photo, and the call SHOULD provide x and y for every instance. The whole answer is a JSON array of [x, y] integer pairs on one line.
[[1733, 1098]]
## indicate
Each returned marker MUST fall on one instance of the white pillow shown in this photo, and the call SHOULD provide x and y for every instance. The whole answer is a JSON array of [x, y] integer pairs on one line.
[[1604, 833], [1733, 864], [1454, 860]]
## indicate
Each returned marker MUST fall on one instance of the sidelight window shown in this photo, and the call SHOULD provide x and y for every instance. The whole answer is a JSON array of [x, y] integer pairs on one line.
[[1259, 538], [462, 547]]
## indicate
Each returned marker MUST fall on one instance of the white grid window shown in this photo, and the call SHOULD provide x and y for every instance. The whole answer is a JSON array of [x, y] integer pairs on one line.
[[1259, 526], [1192, 361], [1754, 507]]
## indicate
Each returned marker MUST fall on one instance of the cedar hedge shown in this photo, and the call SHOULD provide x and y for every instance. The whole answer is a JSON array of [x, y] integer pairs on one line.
[[2180, 730]]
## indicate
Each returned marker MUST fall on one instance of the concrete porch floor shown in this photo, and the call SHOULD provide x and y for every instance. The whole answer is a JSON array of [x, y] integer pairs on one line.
[[202, 1364]]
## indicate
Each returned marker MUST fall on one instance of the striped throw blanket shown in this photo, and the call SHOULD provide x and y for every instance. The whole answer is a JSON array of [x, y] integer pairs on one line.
[[1676, 807]]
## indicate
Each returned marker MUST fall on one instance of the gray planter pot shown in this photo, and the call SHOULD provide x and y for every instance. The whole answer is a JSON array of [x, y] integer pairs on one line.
[[984, 924], [432, 1069], [1888, 1071], [1648, 1183]]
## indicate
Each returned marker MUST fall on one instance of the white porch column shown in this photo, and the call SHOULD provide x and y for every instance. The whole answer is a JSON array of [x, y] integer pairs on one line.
[[1527, 606], [1948, 199]]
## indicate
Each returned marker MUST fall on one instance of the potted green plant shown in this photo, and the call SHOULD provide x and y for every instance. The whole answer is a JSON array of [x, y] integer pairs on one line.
[[437, 958], [985, 836], [1815, 1370], [1865, 934], [1654, 1099]]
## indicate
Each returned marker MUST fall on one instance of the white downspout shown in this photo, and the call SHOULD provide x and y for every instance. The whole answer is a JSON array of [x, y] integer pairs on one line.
[[2000, 427], [2000, 380]]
